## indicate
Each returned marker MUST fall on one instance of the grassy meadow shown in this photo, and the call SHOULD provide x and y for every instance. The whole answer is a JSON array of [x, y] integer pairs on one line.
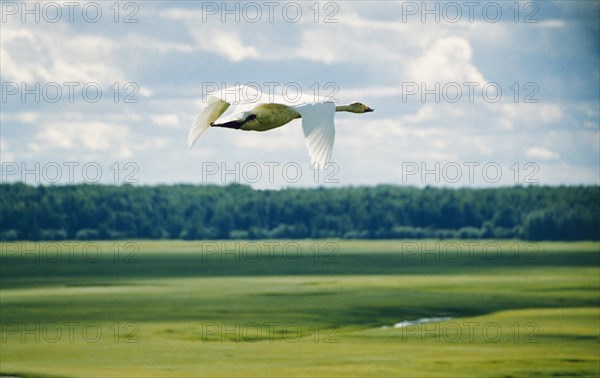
[[299, 308]]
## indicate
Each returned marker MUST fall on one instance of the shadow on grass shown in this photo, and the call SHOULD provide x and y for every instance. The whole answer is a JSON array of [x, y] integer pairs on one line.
[[31, 271]]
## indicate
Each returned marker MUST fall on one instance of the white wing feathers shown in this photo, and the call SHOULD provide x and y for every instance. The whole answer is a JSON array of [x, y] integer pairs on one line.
[[319, 130], [215, 107]]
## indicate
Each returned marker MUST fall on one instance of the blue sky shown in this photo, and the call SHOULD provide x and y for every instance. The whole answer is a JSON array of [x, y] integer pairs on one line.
[[484, 94]]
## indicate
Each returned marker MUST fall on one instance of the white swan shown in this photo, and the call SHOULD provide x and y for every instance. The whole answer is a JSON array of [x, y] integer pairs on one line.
[[257, 115]]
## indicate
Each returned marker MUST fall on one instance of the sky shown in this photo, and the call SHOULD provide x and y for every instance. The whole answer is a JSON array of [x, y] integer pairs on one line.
[[466, 94]]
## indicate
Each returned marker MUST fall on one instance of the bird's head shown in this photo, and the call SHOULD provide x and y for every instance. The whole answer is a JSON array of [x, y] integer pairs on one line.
[[358, 107]]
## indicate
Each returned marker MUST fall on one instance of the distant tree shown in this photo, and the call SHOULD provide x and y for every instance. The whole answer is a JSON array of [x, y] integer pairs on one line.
[[236, 211]]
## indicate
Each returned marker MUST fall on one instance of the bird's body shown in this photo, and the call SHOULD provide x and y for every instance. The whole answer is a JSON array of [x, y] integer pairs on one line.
[[317, 119], [268, 117]]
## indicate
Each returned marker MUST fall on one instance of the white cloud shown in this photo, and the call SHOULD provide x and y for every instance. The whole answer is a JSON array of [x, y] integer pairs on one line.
[[218, 39], [530, 115], [152, 144], [358, 39], [425, 113], [550, 23], [550, 112], [22, 117], [316, 48], [372, 92], [318, 42], [84, 139], [229, 45], [146, 92], [150, 43], [5, 154], [166, 120], [541, 153], [55, 53], [447, 60]]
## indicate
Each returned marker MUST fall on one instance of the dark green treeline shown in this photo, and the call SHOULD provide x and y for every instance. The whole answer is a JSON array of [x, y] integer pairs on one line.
[[240, 212]]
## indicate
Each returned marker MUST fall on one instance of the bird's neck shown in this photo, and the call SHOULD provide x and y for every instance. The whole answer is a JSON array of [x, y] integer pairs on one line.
[[343, 108]]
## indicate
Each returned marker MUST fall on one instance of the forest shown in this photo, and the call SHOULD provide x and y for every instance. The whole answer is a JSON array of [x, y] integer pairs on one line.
[[201, 212]]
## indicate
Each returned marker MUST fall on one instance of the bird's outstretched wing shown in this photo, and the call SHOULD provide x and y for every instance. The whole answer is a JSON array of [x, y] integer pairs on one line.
[[215, 107], [319, 130]]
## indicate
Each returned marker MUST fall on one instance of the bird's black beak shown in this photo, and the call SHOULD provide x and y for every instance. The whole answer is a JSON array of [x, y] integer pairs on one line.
[[368, 110]]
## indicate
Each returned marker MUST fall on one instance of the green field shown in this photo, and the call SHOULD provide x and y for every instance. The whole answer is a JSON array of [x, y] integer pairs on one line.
[[300, 308]]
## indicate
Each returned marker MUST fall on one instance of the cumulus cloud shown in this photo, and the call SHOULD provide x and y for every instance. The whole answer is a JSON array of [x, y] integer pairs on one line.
[[239, 41], [228, 44], [425, 113], [146, 42], [166, 120], [22, 117], [93, 138], [218, 39], [447, 60], [541, 153], [55, 53], [526, 115]]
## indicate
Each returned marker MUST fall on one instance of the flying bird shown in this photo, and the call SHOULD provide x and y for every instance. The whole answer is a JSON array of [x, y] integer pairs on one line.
[[253, 114]]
